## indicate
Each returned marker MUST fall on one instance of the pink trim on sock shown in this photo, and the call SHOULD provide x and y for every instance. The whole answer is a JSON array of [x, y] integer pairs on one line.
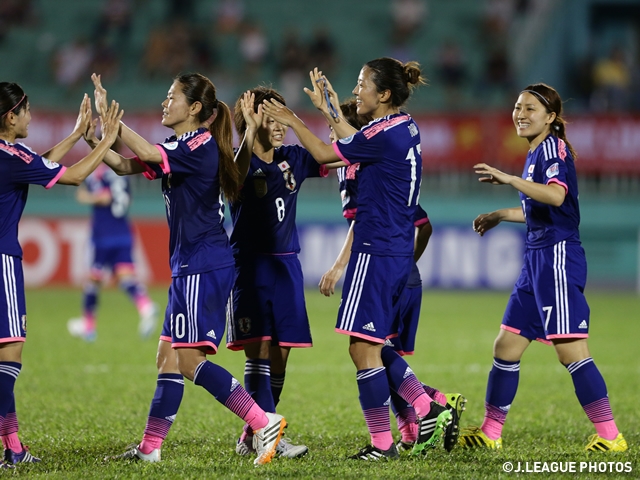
[[492, 428], [12, 442], [256, 418], [149, 443], [382, 440], [607, 430], [143, 303], [89, 321]]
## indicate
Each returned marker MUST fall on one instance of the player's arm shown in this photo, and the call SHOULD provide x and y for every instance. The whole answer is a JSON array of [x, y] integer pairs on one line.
[[56, 153], [421, 239], [330, 279], [84, 196], [551, 194], [322, 152], [487, 221], [253, 121]]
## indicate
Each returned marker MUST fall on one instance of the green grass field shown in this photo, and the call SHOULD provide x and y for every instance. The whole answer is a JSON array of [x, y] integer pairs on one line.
[[78, 402]]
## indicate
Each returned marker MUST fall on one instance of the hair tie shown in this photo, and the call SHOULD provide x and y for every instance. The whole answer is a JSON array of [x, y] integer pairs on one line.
[[546, 102], [14, 107], [556, 128]]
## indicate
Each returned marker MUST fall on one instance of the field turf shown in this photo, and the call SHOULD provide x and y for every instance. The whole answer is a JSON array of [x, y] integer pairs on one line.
[[79, 402]]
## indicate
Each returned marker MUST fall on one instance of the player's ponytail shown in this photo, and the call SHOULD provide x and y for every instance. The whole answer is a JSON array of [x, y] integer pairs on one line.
[[397, 77], [552, 102], [12, 99], [217, 117], [220, 129]]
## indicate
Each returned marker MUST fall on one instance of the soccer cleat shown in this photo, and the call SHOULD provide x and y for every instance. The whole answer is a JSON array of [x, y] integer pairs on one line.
[[78, 328], [599, 444], [403, 446], [431, 427], [25, 456], [474, 437], [5, 465], [148, 320], [135, 454], [286, 449], [456, 405], [265, 440], [372, 453], [245, 445]]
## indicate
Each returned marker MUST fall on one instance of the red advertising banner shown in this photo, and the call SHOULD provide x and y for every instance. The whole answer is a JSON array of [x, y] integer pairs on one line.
[[56, 251], [605, 144]]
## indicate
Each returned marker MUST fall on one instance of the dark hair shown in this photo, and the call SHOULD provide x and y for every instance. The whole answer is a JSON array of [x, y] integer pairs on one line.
[[261, 94], [551, 101], [349, 110], [198, 88], [12, 99], [397, 77]]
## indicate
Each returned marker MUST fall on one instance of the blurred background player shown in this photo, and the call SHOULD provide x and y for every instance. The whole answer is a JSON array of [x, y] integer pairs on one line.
[[547, 302], [383, 238], [111, 248], [408, 314], [269, 310], [19, 167]]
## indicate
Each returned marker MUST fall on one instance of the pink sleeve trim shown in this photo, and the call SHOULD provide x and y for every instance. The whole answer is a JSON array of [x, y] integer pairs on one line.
[[324, 171], [349, 213], [562, 184], [422, 221], [510, 329], [360, 335], [55, 179], [340, 156], [165, 160], [148, 173]]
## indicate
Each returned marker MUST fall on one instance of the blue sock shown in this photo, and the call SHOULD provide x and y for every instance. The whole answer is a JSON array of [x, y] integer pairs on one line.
[[587, 381], [374, 400], [395, 366], [277, 384], [165, 404], [215, 380], [9, 372], [132, 288], [501, 390], [257, 382], [90, 298]]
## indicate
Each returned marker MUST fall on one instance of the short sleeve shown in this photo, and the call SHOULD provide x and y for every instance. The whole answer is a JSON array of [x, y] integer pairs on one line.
[[151, 170], [361, 147], [37, 171], [420, 217]]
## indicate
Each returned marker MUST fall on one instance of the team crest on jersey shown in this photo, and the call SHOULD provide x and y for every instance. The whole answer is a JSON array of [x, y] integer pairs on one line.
[[532, 167], [49, 164], [244, 324], [170, 145], [289, 180], [346, 140], [553, 170], [284, 166]]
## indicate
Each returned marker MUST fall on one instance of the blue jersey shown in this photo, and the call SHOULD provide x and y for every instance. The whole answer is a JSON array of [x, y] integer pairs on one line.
[[348, 185], [19, 167], [388, 150], [198, 242], [420, 218], [264, 218], [109, 223], [551, 162]]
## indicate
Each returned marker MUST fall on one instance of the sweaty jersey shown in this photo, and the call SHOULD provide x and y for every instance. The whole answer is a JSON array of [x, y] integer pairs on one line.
[[198, 241], [264, 218], [551, 162], [19, 167], [109, 223], [388, 150], [348, 185]]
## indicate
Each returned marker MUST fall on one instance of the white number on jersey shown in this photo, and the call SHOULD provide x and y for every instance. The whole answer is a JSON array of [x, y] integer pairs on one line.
[[120, 199], [280, 208], [411, 156], [178, 326]]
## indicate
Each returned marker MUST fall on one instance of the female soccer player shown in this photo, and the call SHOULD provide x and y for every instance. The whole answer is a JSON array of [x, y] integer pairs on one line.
[[388, 150], [111, 243], [547, 303], [196, 166], [269, 311], [408, 311], [19, 167]]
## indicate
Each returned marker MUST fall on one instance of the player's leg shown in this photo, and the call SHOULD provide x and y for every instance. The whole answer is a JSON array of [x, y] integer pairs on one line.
[[85, 326]]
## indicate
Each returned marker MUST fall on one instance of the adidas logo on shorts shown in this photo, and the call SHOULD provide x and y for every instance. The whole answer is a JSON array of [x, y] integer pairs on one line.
[[211, 334], [583, 324], [369, 326]]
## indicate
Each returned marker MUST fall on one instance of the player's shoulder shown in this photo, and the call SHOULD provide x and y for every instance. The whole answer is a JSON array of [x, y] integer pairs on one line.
[[17, 151], [551, 149]]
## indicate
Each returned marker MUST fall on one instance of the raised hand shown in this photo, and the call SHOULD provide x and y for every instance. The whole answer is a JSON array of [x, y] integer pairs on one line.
[[280, 113], [251, 117], [84, 117], [100, 94], [317, 94], [495, 176], [111, 123]]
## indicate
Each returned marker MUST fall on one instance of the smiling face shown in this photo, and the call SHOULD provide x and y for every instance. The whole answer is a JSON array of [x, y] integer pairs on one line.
[[176, 111], [271, 134], [22, 122], [531, 119], [366, 92]]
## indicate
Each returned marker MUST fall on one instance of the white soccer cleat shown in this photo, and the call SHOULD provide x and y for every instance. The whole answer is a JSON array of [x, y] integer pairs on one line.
[[266, 440], [245, 445], [135, 454], [77, 327], [286, 449], [148, 320]]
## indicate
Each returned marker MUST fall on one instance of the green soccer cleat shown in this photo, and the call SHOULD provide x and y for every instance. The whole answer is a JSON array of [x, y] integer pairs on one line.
[[472, 437], [431, 427], [599, 444], [456, 404]]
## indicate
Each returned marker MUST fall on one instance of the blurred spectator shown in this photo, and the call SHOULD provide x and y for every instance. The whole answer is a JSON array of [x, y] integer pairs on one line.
[[105, 61], [580, 77], [253, 47], [229, 15], [452, 71], [497, 79], [408, 16], [612, 83], [114, 23], [322, 51], [294, 65], [154, 54], [180, 9], [14, 13], [498, 15], [71, 63], [168, 51]]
